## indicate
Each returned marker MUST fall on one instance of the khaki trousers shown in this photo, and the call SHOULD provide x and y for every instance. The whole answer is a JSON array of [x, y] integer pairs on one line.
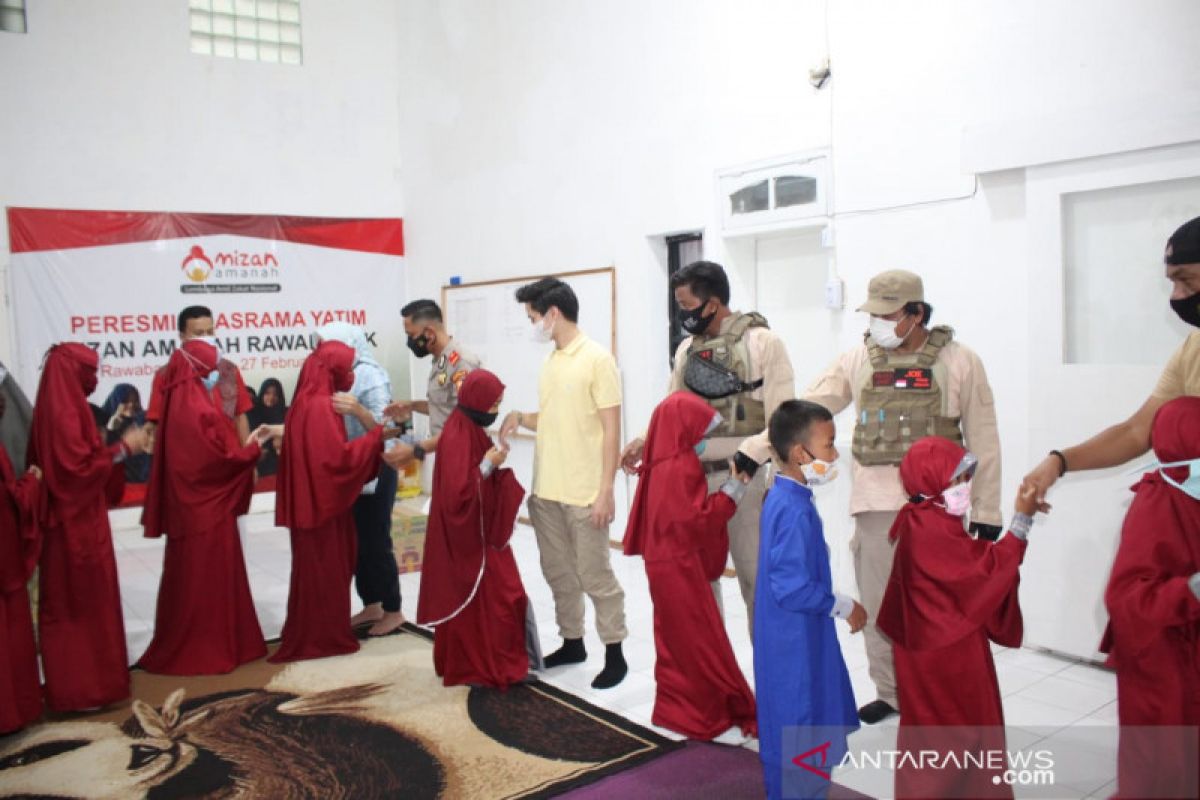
[[743, 538], [575, 561], [872, 554]]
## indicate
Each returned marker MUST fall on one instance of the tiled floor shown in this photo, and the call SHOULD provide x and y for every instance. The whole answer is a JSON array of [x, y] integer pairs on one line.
[[1046, 698]]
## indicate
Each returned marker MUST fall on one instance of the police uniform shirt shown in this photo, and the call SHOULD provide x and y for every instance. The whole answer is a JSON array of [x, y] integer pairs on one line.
[[449, 370]]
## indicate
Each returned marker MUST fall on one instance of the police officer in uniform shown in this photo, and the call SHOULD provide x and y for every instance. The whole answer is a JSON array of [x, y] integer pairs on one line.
[[906, 381], [427, 336], [741, 368]]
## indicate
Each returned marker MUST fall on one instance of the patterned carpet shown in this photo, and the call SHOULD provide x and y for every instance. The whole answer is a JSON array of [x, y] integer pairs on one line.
[[377, 723]]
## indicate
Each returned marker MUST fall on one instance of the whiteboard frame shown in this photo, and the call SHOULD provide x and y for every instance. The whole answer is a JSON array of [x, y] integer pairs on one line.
[[611, 269]]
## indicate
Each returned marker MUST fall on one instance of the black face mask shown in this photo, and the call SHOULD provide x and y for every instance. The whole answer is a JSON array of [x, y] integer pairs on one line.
[[1188, 309], [483, 419], [419, 346], [695, 321]]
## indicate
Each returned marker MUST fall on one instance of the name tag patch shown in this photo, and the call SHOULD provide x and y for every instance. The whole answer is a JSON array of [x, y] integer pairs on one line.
[[912, 378]]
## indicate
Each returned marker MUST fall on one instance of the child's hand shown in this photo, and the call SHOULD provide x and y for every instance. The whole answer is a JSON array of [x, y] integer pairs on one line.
[[857, 618], [1027, 502], [497, 456]]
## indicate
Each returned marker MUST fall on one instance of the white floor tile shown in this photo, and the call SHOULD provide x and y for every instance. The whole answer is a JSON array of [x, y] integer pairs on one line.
[[1024, 712], [1034, 660], [1074, 696]]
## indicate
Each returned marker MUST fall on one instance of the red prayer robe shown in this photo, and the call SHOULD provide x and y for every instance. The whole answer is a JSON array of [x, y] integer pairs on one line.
[[205, 622], [471, 590], [680, 531], [948, 595], [20, 683], [80, 623], [320, 477], [1153, 636]]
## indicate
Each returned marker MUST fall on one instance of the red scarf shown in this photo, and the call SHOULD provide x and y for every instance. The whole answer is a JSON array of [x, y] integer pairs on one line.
[[670, 502], [468, 512], [316, 480], [199, 473], [1161, 534], [944, 584], [64, 440]]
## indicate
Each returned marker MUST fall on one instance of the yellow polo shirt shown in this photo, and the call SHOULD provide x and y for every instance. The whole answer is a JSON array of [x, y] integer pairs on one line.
[[575, 383]]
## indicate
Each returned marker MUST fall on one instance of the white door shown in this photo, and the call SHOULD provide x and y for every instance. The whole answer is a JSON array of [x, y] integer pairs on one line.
[[1101, 330]]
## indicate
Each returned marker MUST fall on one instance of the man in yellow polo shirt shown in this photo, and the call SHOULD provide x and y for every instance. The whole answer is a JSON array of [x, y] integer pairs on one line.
[[578, 427], [1130, 438]]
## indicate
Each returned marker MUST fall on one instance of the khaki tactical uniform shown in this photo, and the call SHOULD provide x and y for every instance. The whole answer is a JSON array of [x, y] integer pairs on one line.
[[718, 370], [902, 398]]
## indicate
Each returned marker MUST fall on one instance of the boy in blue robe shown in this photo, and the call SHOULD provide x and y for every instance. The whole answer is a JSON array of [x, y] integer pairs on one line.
[[806, 707]]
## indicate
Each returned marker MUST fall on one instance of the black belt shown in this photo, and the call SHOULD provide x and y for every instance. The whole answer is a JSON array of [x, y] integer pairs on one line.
[[711, 467]]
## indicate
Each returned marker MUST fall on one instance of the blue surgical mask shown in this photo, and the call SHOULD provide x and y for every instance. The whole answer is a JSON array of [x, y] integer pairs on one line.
[[1190, 486], [700, 446], [210, 380]]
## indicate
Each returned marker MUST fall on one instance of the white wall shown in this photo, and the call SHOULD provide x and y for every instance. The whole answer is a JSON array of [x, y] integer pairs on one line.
[[104, 107], [547, 136]]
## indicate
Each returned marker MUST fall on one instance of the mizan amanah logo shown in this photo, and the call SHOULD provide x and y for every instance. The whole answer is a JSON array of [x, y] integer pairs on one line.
[[226, 270], [196, 265]]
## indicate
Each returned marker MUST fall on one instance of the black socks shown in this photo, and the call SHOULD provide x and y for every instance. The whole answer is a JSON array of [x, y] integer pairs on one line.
[[614, 670], [571, 652]]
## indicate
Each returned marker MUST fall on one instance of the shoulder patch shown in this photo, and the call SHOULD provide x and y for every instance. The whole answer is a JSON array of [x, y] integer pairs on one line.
[[454, 358]]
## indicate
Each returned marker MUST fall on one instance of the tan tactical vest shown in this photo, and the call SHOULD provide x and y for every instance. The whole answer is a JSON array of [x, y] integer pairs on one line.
[[902, 399], [718, 370]]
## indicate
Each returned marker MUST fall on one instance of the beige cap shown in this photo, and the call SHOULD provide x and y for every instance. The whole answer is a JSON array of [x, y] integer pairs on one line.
[[889, 291]]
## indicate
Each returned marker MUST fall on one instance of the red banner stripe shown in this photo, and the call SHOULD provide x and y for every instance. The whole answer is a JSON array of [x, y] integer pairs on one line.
[[34, 229]]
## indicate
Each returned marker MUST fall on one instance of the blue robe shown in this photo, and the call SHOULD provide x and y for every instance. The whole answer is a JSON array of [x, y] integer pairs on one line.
[[805, 703]]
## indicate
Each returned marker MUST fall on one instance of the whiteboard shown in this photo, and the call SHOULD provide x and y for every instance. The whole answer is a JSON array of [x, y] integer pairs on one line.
[[489, 322]]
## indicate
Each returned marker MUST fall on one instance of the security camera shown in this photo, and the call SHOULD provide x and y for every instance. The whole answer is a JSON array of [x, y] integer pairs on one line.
[[819, 76]]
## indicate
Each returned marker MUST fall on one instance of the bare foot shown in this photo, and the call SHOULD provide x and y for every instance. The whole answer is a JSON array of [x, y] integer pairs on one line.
[[371, 613], [388, 623]]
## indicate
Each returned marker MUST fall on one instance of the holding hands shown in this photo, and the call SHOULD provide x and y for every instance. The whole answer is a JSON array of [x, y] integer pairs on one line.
[[497, 455], [399, 410], [857, 618], [631, 456], [1027, 502]]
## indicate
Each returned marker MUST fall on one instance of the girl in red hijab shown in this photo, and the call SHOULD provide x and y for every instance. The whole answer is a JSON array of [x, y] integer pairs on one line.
[[679, 529], [948, 595], [471, 591], [81, 629], [20, 684], [1153, 602], [320, 477], [205, 623]]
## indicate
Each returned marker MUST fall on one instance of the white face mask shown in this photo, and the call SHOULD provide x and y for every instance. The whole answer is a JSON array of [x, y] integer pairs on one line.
[[883, 332], [958, 499], [818, 472], [210, 380], [540, 332], [212, 340]]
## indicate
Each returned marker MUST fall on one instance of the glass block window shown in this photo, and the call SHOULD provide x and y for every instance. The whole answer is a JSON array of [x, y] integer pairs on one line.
[[252, 30], [12, 16]]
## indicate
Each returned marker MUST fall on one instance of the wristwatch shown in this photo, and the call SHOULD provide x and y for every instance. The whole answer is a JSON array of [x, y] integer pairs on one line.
[[418, 452]]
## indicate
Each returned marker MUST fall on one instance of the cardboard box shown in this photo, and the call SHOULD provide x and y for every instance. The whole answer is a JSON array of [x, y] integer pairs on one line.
[[408, 533]]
